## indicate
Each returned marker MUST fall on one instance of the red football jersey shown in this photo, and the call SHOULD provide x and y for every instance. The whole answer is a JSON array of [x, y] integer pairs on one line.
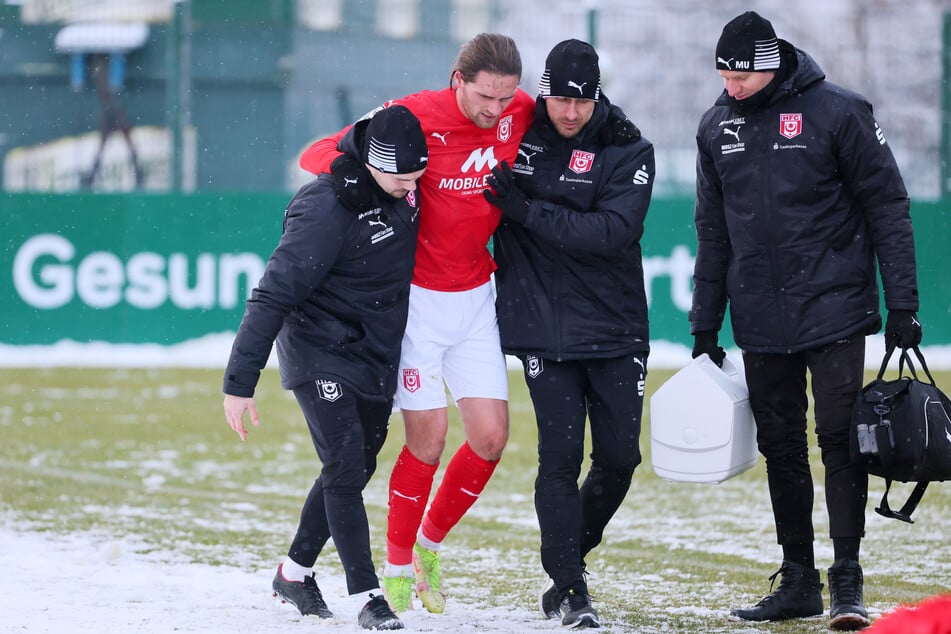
[[456, 222]]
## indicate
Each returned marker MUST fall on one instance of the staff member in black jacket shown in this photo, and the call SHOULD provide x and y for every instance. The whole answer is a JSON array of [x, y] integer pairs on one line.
[[797, 196], [335, 296], [571, 305]]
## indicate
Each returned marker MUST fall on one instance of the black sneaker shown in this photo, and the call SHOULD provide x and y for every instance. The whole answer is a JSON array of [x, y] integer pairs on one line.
[[548, 601], [799, 595], [578, 611], [377, 615], [846, 612], [303, 595]]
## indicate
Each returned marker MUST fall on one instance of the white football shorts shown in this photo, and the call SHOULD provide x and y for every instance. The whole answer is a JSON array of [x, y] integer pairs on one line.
[[451, 340]]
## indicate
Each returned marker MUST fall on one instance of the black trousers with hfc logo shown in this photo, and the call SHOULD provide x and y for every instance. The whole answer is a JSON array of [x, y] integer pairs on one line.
[[610, 394], [348, 433]]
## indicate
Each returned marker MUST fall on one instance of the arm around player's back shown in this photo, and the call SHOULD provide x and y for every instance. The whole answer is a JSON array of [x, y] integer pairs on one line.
[[317, 158]]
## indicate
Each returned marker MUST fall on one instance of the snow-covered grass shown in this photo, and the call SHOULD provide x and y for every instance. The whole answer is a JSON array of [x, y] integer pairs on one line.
[[128, 505]]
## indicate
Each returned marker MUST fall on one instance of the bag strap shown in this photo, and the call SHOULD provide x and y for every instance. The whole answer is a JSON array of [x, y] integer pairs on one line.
[[904, 513], [903, 360], [888, 355], [924, 366], [906, 360], [885, 439]]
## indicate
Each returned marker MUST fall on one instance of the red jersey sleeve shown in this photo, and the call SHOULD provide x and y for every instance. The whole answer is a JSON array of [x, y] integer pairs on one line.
[[318, 157]]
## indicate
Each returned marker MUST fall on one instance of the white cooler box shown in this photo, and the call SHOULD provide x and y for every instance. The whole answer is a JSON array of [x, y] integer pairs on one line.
[[702, 428]]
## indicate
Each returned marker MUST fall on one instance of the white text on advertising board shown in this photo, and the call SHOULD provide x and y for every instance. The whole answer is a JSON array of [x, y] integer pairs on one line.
[[47, 275]]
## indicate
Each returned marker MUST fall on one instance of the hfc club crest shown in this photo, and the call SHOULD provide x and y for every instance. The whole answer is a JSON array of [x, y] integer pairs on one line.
[[790, 125], [505, 128], [581, 162], [533, 366], [411, 379], [411, 199], [329, 390]]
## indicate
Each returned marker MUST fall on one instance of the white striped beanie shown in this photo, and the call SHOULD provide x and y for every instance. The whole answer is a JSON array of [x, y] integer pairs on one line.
[[571, 70], [748, 44], [394, 142]]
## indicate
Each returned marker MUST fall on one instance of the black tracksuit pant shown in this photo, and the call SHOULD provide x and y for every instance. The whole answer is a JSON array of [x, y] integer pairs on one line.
[[348, 433], [777, 385], [610, 393]]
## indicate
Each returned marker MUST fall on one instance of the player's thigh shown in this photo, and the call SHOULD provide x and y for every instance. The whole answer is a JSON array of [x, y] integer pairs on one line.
[[420, 384], [474, 366]]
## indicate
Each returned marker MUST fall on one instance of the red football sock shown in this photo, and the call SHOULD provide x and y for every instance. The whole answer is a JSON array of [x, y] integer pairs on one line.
[[410, 484], [465, 477]]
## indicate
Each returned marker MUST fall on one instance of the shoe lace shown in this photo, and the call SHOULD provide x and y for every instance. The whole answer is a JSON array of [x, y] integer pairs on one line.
[[787, 579], [584, 576], [577, 600], [846, 586], [313, 599], [847, 595], [430, 560], [398, 591], [379, 608]]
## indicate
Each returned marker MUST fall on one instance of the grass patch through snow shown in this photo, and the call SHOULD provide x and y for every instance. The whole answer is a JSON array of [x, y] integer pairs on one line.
[[147, 454]]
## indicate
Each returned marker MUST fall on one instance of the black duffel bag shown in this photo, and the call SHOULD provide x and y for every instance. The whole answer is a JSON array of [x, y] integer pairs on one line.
[[901, 430]]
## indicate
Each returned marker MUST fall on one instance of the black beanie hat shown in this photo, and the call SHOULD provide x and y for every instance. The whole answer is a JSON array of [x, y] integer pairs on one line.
[[394, 142], [571, 70], [748, 43]]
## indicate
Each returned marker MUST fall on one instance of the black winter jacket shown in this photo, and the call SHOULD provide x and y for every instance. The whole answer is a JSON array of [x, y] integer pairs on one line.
[[335, 293], [795, 201], [570, 283]]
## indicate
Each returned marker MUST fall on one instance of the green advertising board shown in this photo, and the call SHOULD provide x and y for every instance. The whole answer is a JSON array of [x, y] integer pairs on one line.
[[131, 269], [166, 269]]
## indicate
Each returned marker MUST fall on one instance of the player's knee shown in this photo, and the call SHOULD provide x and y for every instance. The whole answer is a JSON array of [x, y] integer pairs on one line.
[[427, 450], [489, 445]]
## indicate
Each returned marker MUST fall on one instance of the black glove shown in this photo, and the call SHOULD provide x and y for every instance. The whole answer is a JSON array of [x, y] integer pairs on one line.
[[618, 129], [706, 341], [352, 183], [902, 329], [507, 197]]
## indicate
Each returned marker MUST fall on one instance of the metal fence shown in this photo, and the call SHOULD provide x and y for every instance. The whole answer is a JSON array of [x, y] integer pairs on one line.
[[657, 62]]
